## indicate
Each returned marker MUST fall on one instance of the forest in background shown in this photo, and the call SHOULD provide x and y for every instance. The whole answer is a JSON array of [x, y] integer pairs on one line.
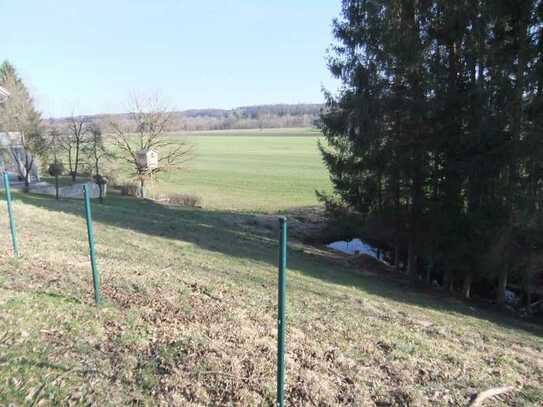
[[244, 117]]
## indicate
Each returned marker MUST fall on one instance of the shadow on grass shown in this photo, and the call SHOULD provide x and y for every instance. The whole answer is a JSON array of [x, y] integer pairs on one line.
[[233, 234]]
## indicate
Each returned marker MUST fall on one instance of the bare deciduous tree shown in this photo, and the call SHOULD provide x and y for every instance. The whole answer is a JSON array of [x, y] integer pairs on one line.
[[97, 154], [146, 130], [74, 141], [56, 168]]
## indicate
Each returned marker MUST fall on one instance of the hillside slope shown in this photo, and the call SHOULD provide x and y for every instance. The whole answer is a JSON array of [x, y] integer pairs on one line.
[[190, 319]]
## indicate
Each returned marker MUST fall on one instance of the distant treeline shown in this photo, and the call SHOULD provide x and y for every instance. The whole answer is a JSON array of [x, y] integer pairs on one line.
[[245, 117]]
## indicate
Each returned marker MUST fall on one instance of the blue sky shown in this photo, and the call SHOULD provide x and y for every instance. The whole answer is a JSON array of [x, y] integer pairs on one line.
[[90, 55]]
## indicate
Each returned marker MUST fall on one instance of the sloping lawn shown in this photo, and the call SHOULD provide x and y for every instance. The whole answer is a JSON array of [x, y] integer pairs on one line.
[[189, 319]]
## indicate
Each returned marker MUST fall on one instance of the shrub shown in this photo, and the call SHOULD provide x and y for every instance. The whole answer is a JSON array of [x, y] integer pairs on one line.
[[55, 169], [160, 197], [190, 200], [130, 189], [114, 180]]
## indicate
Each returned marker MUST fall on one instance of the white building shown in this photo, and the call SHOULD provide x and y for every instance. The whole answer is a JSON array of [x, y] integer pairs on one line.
[[3, 94]]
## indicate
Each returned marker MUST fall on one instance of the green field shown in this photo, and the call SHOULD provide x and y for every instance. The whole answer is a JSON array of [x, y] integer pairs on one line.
[[252, 170], [190, 302]]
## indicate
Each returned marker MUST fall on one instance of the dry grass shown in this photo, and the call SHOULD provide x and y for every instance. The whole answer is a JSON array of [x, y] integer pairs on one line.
[[190, 320], [189, 200]]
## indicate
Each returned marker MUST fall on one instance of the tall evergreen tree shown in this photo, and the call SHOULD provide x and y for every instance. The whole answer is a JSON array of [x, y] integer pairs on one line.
[[18, 114], [437, 131]]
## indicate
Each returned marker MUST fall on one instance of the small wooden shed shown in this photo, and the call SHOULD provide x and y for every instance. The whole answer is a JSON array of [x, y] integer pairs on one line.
[[148, 159]]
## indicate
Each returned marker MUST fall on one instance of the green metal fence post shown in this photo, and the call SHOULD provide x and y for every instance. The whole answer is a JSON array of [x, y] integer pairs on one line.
[[281, 320], [92, 251], [10, 214]]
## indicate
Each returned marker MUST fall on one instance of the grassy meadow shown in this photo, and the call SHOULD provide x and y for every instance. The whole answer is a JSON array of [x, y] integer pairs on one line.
[[252, 170], [190, 302], [189, 319]]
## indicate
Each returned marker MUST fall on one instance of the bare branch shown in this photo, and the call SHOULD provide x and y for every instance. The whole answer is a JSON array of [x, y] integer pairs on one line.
[[146, 129]]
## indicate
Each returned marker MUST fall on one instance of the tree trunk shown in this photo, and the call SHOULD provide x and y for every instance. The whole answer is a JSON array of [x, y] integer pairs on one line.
[[411, 261], [56, 187], [397, 221], [76, 164], [466, 288], [70, 165], [520, 26], [27, 173], [397, 257], [528, 283], [101, 193], [27, 181], [142, 188], [502, 285], [448, 281], [429, 270]]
